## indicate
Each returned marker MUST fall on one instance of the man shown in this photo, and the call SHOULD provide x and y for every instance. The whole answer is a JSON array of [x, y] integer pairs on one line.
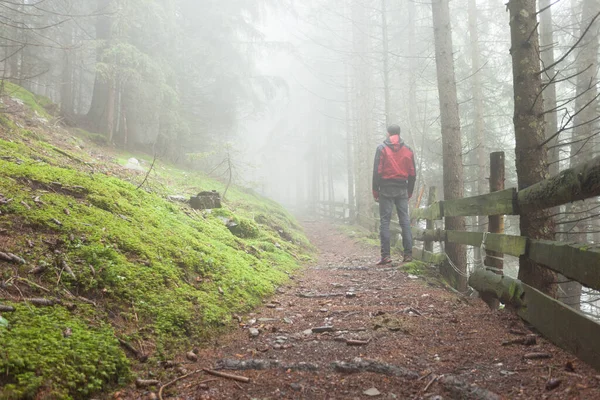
[[394, 179]]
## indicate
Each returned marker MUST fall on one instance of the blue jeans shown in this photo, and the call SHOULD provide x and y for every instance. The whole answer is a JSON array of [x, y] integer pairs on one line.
[[386, 205]]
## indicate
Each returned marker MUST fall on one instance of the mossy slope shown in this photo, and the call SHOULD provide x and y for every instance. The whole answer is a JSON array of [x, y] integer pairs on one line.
[[161, 275]]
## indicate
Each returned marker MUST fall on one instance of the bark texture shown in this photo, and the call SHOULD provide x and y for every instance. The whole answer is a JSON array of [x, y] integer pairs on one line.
[[531, 157], [451, 138]]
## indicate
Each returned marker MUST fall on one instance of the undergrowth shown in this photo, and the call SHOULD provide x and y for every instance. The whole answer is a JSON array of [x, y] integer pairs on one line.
[[160, 273]]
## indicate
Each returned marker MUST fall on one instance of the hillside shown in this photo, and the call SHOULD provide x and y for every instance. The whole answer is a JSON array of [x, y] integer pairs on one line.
[[103, 275]]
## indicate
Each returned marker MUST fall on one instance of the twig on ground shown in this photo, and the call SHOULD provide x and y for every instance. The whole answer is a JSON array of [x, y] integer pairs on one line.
[[435, 378], [227, 376], [178, 379]]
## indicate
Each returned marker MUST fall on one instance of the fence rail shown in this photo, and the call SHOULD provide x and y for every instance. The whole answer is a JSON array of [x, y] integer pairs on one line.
[[566, 327]]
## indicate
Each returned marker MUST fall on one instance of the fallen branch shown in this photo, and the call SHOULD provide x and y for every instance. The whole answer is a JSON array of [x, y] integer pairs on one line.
[[226, 376], [352, 342], [143, 383], [41, 302], [33, 284], [178, 379], [319, 295], [4, 308], [431, 381], [10, 257]]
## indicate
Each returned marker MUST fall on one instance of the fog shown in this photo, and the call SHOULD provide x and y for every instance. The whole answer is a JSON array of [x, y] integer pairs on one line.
[[297, 95]]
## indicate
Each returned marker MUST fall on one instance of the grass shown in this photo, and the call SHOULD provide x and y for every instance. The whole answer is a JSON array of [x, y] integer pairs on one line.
[[162, 274]]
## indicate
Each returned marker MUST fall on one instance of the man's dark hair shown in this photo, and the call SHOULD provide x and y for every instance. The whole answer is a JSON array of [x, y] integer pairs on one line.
[[393, 129]]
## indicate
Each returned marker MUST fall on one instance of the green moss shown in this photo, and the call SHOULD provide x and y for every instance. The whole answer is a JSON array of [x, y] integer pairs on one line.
[[32, 101], [416, 267], [159, 272], [38, 355], [171, 276], [93, 137]]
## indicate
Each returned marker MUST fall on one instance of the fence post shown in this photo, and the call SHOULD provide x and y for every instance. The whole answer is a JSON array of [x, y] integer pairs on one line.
[[496, 222], [428, 246]]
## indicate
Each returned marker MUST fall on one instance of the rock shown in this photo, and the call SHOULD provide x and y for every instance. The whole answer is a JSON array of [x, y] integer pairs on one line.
[[350, 295], [410, 276], [206, 201], [288, 321], [253, 332], [134, 164], [553, 383], [190, 355], [307, 332], [372, 392], [296, 386]]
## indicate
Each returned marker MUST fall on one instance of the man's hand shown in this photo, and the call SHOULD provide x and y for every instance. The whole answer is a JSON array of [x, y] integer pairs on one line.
[[376, 196]]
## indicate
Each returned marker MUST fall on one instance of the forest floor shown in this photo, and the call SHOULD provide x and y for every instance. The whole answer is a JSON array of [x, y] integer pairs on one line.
[[414, 340]]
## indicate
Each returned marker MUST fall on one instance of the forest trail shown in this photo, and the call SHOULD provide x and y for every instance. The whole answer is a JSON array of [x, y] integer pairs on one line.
[[414, 340]]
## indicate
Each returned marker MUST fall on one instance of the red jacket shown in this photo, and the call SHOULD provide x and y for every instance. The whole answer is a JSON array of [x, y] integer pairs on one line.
[[394, 165]]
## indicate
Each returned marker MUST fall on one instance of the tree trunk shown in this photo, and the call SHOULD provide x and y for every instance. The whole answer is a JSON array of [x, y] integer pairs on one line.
[[349, 151], [478, 120], [386, 62], [451, 137], [531, 157], [97, 115], [364, 117], [66, 84], [581, 149]]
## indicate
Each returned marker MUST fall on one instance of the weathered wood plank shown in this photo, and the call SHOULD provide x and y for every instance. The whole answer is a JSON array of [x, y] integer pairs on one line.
[[434, 212], [579, 262], [564, 326], [496, 203], [428, 257], [579, 183], [506, 244]]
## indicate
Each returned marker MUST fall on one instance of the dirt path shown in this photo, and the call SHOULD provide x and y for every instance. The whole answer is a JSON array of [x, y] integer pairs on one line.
[[423, 342]]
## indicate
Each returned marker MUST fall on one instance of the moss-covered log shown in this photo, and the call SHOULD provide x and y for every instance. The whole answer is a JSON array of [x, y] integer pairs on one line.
[[489, 284], [434, 235], [579, 183]]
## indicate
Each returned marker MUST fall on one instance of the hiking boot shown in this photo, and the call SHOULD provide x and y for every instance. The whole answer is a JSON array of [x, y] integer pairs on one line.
[[407, 258], [384, 261]]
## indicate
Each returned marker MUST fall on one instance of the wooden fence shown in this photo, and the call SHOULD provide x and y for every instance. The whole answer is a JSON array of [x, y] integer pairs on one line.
[[340, 211], [563, 325]]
